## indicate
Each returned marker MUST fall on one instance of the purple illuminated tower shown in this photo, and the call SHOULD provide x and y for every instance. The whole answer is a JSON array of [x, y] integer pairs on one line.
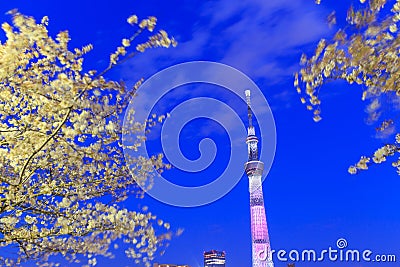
[[261, 249]]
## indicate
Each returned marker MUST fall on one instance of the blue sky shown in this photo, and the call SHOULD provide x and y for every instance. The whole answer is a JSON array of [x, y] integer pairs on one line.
[[311, 200]]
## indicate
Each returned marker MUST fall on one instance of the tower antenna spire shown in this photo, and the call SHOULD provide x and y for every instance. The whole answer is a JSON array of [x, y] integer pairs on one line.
[[249, 112], [261, 247]]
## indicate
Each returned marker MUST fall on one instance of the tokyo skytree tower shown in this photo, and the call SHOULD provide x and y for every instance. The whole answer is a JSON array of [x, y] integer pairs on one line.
[[261, 249]]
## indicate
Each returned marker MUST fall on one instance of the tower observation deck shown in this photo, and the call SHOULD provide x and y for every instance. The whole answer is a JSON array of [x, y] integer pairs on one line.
[[261, 249]]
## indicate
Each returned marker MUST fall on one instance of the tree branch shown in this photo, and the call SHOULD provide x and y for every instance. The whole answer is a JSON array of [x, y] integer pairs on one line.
[[42, 146]]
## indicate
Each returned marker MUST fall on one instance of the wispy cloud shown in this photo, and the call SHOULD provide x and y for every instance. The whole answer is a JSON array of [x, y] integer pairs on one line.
[[254, 36], [263, 39]]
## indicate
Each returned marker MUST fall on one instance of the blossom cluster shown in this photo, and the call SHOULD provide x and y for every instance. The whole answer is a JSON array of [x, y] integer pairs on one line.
[[365, 52], [62, 154]]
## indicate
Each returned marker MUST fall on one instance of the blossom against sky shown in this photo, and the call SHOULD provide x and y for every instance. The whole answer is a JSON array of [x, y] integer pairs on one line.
[[311, 200]]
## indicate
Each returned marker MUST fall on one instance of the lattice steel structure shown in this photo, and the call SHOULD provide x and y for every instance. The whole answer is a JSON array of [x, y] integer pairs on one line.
[[261, 249]]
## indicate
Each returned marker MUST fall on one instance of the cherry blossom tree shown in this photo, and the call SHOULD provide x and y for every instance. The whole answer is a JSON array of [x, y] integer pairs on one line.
[[365, 52], [63, 173]]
